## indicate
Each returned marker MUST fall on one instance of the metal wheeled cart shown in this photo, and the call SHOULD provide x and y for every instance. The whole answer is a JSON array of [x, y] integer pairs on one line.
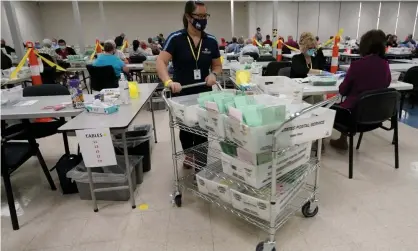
[[207, 158]]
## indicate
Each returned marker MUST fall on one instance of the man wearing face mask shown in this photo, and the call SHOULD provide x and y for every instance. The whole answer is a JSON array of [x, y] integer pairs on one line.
[[310, 61], [63, 50], [195, 57]]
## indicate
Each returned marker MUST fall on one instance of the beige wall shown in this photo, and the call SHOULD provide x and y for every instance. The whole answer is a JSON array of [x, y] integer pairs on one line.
[[135, 19]]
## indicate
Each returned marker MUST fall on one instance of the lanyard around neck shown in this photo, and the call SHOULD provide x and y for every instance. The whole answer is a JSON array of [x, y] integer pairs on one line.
[[193, 53]]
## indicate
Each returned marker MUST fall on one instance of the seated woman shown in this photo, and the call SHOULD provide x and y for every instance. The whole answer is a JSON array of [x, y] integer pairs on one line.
[[109, 58], [369, 73], [137, 50], [310, 60]]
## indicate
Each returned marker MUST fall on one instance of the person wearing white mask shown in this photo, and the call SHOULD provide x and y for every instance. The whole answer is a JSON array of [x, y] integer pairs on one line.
[[64, 50]]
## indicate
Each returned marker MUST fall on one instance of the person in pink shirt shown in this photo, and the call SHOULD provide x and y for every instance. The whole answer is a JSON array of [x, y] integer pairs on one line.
[[371, 72]]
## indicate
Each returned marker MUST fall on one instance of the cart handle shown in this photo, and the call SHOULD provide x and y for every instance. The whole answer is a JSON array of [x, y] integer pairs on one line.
[[327, 103], [167, 89]]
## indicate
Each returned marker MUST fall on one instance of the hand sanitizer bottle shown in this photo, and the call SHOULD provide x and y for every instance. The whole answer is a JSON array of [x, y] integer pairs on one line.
[[123, 90]]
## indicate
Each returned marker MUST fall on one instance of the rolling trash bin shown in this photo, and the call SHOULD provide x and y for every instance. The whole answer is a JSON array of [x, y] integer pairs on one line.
[[138, 142], [106, 177]]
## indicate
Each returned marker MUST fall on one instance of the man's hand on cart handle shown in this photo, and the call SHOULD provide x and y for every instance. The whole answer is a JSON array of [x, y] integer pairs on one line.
[[175, 87], [211, 79]]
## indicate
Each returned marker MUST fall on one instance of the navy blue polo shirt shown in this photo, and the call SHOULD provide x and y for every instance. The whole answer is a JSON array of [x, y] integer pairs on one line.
[[184, 63]]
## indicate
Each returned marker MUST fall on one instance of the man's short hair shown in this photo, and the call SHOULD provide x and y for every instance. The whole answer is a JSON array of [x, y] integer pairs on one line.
[[109, 45], [61, 41]]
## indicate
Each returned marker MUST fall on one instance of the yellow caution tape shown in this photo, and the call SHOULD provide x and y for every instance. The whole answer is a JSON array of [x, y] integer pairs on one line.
[[92, 55], [20, 65], [125, 44], [288, 46], [52, 64], [258, 43], [340, 32]]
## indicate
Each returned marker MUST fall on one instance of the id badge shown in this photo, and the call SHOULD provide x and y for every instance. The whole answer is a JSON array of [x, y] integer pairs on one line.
[[197, 75]]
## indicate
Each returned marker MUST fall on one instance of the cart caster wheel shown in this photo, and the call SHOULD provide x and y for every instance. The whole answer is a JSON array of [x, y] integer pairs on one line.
[[133, 207], [177, 200], [260, 247], [307, 212], [96, 210]]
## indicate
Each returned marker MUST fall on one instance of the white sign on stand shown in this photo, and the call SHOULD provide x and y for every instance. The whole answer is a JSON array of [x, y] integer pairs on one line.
[[96, 147]]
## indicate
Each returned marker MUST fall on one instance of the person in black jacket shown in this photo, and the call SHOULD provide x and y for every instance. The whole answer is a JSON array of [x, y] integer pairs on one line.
[[119, 40], [310, 60], [64, 50], [8, 49]]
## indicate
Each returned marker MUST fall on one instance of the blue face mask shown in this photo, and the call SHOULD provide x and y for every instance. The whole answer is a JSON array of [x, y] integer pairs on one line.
[[311, 52], [199, 24]]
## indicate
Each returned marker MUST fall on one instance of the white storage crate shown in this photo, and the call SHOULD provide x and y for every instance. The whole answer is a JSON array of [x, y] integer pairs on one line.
[[314, 125], [280, 85], [185, 109], [211, 121], [250, 203], [210, 184], [258, 176]]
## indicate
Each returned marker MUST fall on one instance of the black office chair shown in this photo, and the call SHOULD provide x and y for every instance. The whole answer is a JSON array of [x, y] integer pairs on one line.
[[38, 129], [273, 68], [49, 75], [411, 77], [252, 54], [102, 77], [6, 62], [285, 71], [371, 110], [266, 59], [13, 155]]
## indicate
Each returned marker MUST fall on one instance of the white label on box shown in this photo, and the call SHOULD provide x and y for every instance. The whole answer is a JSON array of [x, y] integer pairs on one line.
[[212, 106], [96, 147]]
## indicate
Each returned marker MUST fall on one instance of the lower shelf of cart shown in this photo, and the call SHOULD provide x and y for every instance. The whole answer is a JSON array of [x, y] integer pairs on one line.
[[306, 193]]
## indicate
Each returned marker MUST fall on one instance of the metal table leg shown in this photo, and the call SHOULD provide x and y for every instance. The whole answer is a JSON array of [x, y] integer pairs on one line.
[[128, 168], [401, 103], [65, 139], [93, 195], [153, 119]]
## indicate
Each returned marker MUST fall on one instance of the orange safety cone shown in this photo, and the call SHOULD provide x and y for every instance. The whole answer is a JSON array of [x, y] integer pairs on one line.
[[34, 65], [334, 60], [98, 47], [279, 51]]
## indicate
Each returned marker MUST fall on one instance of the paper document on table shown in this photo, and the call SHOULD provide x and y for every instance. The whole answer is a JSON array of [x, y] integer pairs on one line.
[[96, 147], [26, 103]]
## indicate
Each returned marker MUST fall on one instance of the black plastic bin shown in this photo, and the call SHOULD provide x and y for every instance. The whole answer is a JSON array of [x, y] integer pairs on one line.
[[138, 142]]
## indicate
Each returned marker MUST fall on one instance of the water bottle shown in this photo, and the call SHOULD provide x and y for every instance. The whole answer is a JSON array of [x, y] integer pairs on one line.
[[123, 90], [76, 92]]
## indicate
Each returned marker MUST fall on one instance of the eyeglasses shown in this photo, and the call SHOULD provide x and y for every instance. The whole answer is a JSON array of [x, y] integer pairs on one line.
[[201, 16]]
